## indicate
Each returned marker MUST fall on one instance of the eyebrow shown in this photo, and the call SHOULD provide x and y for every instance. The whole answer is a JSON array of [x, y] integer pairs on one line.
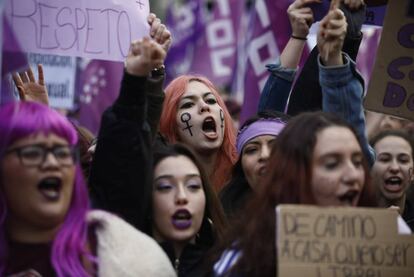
[[169, 176], [391, 154], [44, 145], [193, 96], [253, 141], [338, 155], [384, 154]]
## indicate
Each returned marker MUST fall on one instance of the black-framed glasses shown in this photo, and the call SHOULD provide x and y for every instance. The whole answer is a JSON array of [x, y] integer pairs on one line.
[[35, 154]]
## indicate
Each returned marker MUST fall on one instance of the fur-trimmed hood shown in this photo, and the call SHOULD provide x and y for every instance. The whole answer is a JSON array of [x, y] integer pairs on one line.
[[122, 250]]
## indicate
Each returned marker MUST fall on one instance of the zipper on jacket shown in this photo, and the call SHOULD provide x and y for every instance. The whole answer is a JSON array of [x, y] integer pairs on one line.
[[176, 264]]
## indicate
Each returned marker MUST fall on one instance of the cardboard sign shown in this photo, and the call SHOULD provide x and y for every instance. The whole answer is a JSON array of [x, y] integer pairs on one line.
[[341, 242], [391, 89], [85, 28]]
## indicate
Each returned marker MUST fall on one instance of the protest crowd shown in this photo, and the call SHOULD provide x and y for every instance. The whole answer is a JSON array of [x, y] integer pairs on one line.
[[182, 179]]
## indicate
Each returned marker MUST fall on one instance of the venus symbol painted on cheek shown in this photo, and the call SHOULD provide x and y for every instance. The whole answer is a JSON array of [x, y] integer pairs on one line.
[[185, 118], [222, 118]]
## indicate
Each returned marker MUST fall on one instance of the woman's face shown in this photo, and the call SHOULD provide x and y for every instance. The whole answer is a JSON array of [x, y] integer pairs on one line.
[[200, 119], [254, 157], [38, 192], [338, 175], [392, 172], [178, 200]]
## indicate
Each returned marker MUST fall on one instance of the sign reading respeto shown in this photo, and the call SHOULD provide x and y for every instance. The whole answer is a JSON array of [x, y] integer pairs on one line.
[[85, 28]]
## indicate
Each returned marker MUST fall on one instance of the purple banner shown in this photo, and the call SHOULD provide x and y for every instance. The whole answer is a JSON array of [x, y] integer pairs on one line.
[[207, 39], [186, 26], [367, 53], [268, 33], [216, 50], [98, 87]]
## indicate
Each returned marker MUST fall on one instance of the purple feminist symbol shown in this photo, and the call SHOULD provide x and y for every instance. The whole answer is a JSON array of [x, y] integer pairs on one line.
[[222, 118], [185, 118]]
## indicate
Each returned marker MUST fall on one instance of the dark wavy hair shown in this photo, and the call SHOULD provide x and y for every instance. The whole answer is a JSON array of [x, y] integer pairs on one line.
[[288, 182], [214, 222]]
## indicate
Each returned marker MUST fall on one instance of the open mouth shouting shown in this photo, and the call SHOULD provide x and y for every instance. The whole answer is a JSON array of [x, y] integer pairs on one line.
[[349, 198], [209, 128], [393, 184], [261, 171], [181, 219], [50, 188]]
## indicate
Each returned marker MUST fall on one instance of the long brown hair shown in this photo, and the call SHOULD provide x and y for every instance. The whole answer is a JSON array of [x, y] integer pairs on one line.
[[214, 222], [288, 182]]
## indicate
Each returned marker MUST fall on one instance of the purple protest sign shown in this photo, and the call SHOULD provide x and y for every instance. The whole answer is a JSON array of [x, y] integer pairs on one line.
[[98, 86], [85, 28]]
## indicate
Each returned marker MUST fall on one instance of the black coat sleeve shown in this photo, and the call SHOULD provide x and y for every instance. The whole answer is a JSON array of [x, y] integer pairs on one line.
[[121, 170], [155, 100]]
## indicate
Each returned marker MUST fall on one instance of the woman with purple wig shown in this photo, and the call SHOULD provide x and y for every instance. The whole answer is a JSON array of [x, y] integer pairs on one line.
[[46, 227]]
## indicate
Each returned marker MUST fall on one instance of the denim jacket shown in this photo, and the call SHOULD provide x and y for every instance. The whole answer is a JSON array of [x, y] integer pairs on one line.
[[276, 91], [341, 89], [342, 94]]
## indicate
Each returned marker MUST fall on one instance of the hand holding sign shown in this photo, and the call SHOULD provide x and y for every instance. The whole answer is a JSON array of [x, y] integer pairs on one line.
[[331, 35], [301, 17], [144, 55], [29, 89]]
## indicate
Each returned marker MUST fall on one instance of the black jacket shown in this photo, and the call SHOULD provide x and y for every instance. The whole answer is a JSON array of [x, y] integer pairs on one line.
[[120, 178], [121, 173], [192, 259]]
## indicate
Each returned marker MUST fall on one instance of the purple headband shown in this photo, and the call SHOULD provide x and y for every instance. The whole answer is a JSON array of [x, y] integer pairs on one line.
[[268, 126]]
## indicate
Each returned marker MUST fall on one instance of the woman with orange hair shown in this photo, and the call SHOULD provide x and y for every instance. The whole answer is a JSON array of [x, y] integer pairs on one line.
[[195, 114]]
